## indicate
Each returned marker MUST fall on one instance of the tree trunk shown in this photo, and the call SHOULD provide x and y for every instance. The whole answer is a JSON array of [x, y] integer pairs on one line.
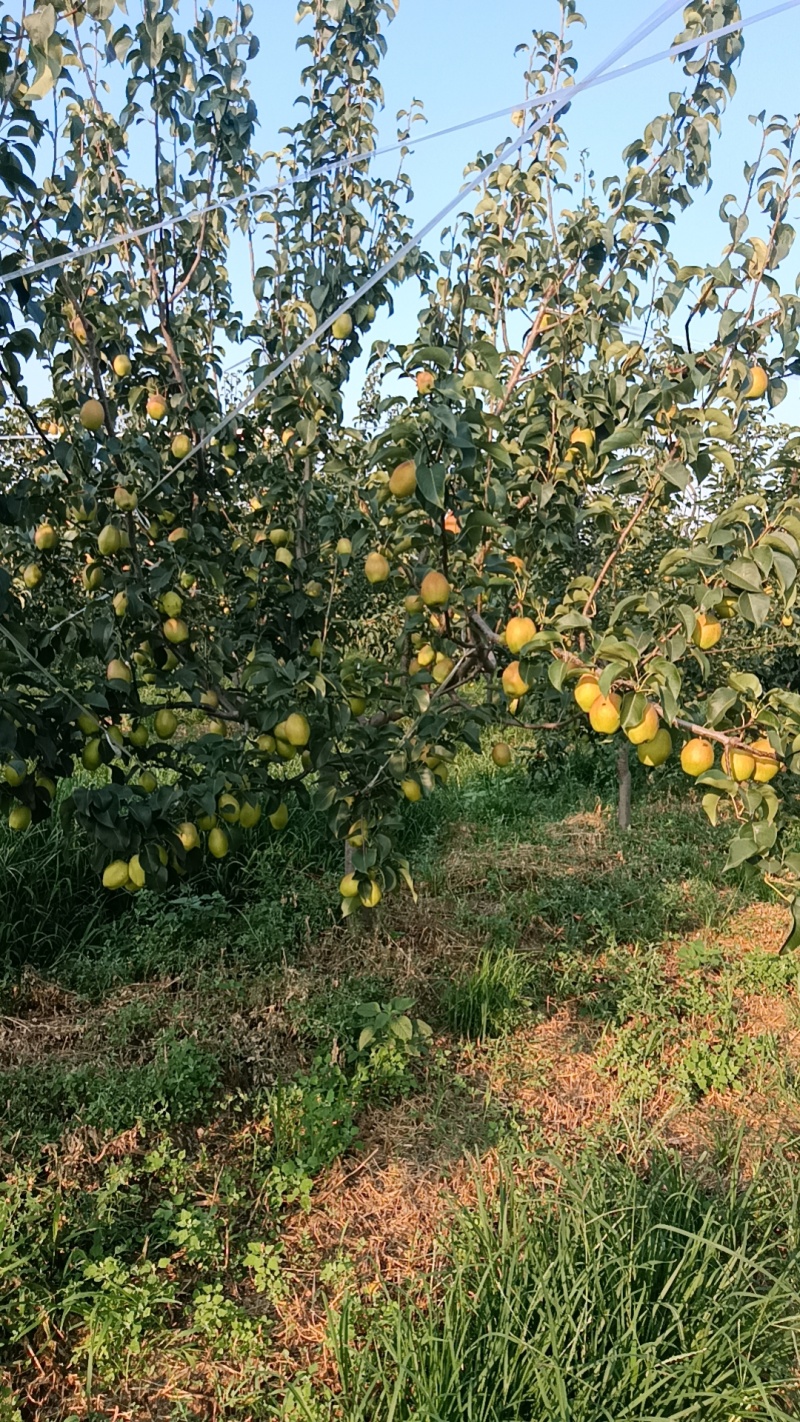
[[624, 780]]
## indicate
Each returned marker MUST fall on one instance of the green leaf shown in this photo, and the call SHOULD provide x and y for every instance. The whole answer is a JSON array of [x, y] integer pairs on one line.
[[742, 848], [743, 573], [792, 942], [754, 607], [40, 25], [746, 683], [430, 483]]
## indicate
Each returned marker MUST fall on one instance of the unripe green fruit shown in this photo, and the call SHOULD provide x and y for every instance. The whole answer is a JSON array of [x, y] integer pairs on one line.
[[90, 755], [19, 818], [171, 604], [249, 815], [280, 817], [181, 446], [165, 723], [109, 540], [126, 499], [14, 773], [92, 416], [32, 576]]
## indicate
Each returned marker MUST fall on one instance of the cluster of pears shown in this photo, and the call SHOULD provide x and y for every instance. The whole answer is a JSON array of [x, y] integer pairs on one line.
[[652, 740], [14, 773], [756, 761]]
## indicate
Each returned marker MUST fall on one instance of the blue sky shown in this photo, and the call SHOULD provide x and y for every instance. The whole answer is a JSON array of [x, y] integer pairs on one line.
[[457, 56]]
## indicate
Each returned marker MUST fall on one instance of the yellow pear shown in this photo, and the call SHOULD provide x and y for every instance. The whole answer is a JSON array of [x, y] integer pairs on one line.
[[32, 576], [647, 727], [280, 817], [738, 763], [348, 887], [370, 894], [411, 789], [249, 815], [654, 753], [342, 327], [519, 632], [45, 538], [605, 714], [587, 691], [707, 632], [755, 384], [697, 756], [126, 499], [175, 631], [229, 809], [501, 754], [425, 381], [218, 843], [435, 590], [403, 480], [136, 873], [376, 568], [109, 540], [165, 723], [121, 366], [118, 671], [767, 764], [181, 446], [91, 415], [296, 730], [19, 817], [188, 835], [115, 874], [156, 407], [514, 683], [344, 548]]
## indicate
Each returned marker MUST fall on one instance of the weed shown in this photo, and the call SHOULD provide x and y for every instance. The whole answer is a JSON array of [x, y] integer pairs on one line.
[[619, 1296], [493, 997]]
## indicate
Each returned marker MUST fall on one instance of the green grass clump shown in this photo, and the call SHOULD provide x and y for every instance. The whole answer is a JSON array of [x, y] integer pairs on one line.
[[493, 998], [612, 1297]]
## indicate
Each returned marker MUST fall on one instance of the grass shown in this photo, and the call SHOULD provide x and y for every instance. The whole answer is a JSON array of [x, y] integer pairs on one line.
[[244, 1178], [614, 1296]]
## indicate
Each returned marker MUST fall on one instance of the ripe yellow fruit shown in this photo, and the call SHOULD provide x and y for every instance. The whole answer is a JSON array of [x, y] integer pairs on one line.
[[371, 894], [117, 670], [175, 631], [587, 691], [756, 382], [280, 817], [697, 756], [266, 744], [767, 763], [605, 714], [654, 753], [519, 632], [136, 873], [297, 730], [344, 548], [348, 887], [188, 835], [582, 437], [738, 764], [157, 407], [218, 843], [403, 481], [14, 773], [376, 568], [707, 632], [425, 381], [148, 781], [115, 874], [647, 727], [109, 540], [435, 590], [121, 366], [32, 576], [249, 815], [91, 415], [45, 538], [229, 808], [286, 437], [501, 754], [412, 790], [181, 446], [514, 683], [126, 499], [19, 817], [442, 668], [342, 327], [165, 723]]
